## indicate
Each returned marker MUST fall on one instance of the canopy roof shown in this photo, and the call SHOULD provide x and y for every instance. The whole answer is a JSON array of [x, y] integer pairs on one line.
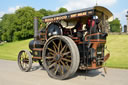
[[78, 13]]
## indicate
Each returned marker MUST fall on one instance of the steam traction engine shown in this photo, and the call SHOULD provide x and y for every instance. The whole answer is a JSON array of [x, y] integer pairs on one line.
[[70, 41]]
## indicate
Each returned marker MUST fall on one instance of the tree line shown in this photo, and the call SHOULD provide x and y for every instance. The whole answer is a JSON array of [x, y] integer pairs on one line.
[[19, 25]]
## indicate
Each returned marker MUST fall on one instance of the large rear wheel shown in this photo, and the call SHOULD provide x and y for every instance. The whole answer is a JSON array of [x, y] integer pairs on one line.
[[61, 57]]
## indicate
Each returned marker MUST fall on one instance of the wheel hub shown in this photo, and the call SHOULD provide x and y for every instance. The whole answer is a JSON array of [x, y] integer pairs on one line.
[[58, 56], [25, 60]]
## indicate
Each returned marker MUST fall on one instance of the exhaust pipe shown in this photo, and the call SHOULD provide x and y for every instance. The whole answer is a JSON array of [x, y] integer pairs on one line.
[[36, 34], [36, 43]]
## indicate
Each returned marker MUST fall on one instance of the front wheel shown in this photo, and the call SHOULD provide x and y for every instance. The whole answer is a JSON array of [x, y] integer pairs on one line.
[[61, 57], [25, 60]]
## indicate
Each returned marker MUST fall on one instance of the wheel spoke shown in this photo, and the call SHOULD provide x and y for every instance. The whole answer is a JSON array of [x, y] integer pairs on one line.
[[59, 44], [52, 65], [51, 53], [69, 56], [49, 57], [21, 62], [51, 50], [66, 49], [56, 69], [54, 48], [64, 65], [27, 56], [67, 65], [21, 58], [61, 70], [54, 44], [26, 60], [51, 61], [24, 55], [67, 60], [62, 49], [25, 65], [66, 53]]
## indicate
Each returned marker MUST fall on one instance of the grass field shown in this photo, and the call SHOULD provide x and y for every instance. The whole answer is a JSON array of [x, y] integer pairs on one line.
[[117, 45], [9, 51]]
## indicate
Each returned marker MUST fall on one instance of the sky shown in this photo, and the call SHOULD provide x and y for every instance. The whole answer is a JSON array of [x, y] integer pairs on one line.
[[118, 7]]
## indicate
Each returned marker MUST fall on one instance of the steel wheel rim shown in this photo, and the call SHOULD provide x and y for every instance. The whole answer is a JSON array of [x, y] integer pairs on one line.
[[58, 57]]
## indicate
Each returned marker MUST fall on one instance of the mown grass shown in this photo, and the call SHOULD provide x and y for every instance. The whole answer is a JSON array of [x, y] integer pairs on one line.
[[117, 45], [9, 51]]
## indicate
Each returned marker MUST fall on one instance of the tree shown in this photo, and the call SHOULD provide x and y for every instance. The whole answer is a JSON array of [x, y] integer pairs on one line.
[[0, 31], [61, 10], [47, 12], [19, 26], [115, 25], [24, 23], [7, 27], [43, 12]]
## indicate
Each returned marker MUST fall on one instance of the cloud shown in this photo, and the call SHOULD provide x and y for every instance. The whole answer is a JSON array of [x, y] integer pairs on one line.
[[77, 4], [122, 16], [1, 14], [10, 10], [13, 9]]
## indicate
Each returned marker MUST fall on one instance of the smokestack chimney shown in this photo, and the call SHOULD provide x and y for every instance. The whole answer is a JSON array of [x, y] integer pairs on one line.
[[36, 35]]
